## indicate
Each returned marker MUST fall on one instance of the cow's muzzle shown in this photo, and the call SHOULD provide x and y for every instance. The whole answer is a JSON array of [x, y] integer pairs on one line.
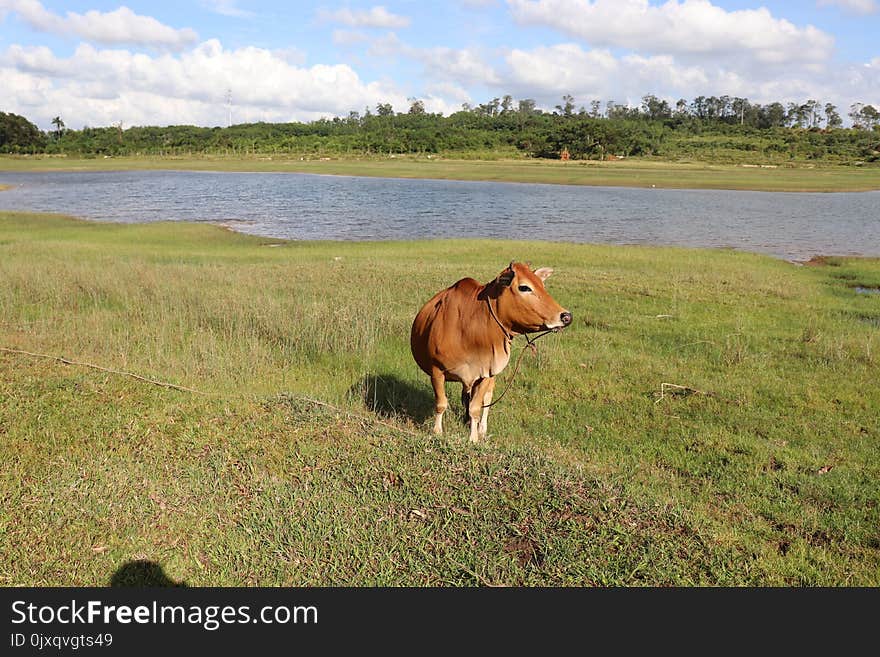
[[564, 320]]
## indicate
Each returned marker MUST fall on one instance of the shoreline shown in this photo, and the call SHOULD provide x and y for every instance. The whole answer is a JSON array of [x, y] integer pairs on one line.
[[649, 174], [234, 227]]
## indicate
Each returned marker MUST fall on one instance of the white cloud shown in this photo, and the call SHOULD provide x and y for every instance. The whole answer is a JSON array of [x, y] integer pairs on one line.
[[561, 69], [377, 16], [546, 73], [862, 7], [101, 87], [121, 26], [865, 81], [462, 65], [436, 104], [695, 28], [349, 37], [291, 55], [454, 95], [465, 66], [226, 8], [387, 45]]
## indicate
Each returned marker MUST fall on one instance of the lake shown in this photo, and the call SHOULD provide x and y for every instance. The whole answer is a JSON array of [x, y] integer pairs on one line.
[[794, 226]]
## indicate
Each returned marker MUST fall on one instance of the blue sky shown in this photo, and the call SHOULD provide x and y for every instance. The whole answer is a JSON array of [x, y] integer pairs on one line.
[[156, 63]]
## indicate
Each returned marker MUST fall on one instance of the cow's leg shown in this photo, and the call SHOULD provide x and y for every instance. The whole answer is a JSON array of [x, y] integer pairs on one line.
[[487, 399], [479, 393], [465, 402], [438, 382]]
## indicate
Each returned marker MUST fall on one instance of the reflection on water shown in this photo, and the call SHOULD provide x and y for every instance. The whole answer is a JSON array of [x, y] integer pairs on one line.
[[301, 206]]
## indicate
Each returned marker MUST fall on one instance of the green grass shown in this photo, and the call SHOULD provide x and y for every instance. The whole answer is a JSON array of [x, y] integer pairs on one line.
[[763, 473], [628, 173]]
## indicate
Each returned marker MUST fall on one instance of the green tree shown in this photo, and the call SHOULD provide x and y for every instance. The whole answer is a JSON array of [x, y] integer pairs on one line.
[[654, 108], [18, 135], [567, 106], [797, 115], [681, 107], [59, 126], [489, 109], [740, 106], [811, 111], [699, 107], [773, 116], [526, 106], [870, 117], [832, 118]]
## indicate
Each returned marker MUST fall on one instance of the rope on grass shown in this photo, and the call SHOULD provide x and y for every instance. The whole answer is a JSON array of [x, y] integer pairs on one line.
[[352, 414], [174, 386], [679, 390], [68, 361]]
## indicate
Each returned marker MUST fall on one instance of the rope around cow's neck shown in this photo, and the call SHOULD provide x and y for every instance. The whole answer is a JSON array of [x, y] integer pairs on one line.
[[530, 343], [498, 321]]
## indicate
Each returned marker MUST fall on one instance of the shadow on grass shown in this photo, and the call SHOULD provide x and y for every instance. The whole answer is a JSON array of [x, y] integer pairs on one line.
[[386, 394], [142, 573]]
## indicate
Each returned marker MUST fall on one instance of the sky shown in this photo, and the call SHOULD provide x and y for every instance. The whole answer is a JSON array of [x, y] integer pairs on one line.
[[212, 62]]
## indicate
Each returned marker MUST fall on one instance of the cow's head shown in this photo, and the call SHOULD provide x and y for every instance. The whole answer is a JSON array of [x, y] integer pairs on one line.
[[523, 302]]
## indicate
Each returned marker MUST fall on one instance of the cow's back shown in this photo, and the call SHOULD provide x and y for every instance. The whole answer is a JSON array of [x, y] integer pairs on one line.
[[443, 328]]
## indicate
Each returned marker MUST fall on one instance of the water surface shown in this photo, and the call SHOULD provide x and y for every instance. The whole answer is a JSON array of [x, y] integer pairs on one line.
[[788, 225]]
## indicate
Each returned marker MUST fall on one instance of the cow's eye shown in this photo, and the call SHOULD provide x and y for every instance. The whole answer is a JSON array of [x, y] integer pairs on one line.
[[525, 288]]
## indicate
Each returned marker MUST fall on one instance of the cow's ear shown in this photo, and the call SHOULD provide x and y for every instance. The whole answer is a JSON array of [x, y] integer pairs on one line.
[[505, 278], [543, 273]]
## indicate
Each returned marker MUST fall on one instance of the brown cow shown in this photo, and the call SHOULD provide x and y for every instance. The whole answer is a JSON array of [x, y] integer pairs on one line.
[[464, 334]]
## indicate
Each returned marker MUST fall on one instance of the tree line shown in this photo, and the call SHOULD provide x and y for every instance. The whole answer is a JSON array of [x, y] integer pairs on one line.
[[714, 128]]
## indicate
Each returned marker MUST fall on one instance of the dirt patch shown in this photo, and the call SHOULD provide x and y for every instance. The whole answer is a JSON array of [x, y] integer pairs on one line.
[[774, 465], [525, 549], [819, 261], [233, 224], [869, 319]]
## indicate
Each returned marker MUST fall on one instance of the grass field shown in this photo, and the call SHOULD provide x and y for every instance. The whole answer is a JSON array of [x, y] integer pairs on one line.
[[628, 173], [308, 459]]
